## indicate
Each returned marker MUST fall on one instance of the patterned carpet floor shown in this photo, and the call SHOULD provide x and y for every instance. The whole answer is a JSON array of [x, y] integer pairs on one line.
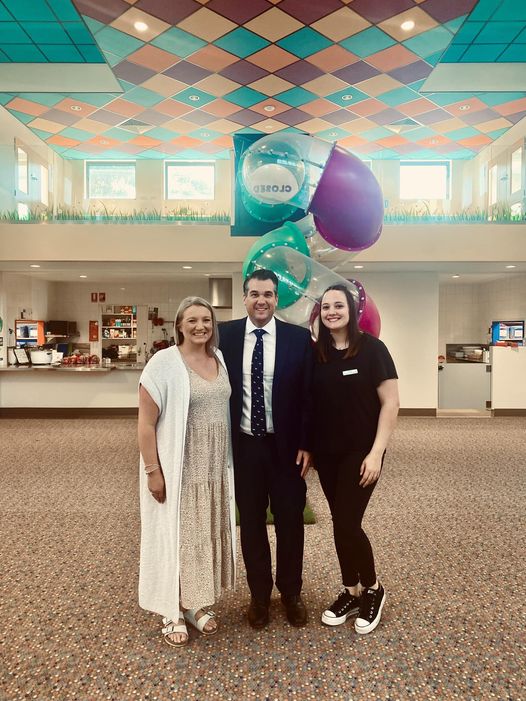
[[446, 521]]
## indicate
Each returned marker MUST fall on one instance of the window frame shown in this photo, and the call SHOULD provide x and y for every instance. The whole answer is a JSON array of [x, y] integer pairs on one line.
[[19, 167], [98, 162], [441, 162], [173, 163]]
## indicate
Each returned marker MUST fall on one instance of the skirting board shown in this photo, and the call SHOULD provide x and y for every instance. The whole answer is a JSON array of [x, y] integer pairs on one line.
[[508, 412]]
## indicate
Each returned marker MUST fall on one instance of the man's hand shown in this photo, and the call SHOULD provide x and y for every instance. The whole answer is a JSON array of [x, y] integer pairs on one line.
[[304, 459]]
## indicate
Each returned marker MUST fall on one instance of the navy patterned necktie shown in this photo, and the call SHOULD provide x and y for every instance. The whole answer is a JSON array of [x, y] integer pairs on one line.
[[257, 415]]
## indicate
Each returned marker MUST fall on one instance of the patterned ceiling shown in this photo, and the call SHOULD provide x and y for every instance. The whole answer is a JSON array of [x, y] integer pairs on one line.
[[194, 72]]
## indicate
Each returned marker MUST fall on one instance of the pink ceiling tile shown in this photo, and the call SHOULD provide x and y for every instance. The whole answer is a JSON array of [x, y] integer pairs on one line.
[[332, 58], [272, 58], [270, 102], [366, 108], [221, 108], [185, 142], [27, 107], [58, 140], [474, 141], [415, 107], [351, 141], [391, 58], [391, 141], [80, 109], [212, 57], [511, 107], [319, 107], [459, 109], [152, 57], [145, 141], [122, 106], [172, 108]]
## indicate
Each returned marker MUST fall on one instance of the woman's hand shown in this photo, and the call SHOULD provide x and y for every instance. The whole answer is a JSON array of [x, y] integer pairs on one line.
[[370, 469], [157, 486]]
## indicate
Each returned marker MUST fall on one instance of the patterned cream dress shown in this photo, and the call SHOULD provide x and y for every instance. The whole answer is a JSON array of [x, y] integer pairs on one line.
[[206, 566]]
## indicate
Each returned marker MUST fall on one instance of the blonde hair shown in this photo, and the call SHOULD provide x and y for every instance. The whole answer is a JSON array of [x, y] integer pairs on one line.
[[187, 302]]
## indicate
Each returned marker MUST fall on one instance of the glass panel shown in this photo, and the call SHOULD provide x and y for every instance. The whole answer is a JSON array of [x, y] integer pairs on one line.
[[44, 185], [110, 180], [492, 185], [516, 170], [190, 181], [22, 170], [424, 181]]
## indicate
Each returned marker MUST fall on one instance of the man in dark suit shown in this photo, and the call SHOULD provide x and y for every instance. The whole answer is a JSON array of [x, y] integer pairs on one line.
[[270, 365]]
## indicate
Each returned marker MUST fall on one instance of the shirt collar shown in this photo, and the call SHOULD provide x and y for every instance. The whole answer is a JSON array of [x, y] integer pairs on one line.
[[270, 327]]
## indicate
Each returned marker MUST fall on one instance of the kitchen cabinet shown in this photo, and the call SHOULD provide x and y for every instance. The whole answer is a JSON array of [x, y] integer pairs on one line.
[[119, 332], [29, 333]]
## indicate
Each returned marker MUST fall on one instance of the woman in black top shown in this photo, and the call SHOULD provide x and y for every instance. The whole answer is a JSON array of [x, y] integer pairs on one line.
[[356, 404]]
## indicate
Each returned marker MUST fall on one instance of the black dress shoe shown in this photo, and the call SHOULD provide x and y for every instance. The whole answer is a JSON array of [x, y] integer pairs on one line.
[[295, 609], [257, 614]]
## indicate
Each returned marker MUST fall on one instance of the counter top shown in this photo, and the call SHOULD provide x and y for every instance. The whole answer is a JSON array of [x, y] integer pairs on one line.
[[71, 368]]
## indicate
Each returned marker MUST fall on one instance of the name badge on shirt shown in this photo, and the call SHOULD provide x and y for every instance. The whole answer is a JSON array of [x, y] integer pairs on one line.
[[350, 372]]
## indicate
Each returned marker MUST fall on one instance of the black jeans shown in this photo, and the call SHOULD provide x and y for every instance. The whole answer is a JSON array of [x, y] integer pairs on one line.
[[260, 477], [340, 477]]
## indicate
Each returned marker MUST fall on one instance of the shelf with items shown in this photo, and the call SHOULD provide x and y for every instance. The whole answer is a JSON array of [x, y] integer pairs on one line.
[[29, 332], [118, 329]]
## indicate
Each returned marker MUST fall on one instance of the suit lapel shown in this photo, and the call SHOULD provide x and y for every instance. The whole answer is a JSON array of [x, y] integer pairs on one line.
[[282, 342], [237, 351]]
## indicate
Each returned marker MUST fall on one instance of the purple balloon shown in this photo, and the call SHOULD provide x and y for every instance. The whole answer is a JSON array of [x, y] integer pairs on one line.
[[348, 205]]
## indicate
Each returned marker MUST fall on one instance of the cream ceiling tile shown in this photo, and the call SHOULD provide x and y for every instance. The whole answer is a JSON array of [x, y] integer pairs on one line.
[[378, 85], [217, 85], [493, 125], [269, 126], [325, 85], [180, 126], [46, 125], [126, 23], [312, 126], [362, 124], [393, 25], [206, 24], [91, 125], [224, 126], [271, 85], [447, 125], [164, 85], [341, 24], [274, 24]]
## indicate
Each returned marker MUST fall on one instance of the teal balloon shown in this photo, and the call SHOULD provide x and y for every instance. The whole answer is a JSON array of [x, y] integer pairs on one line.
[[263, 255], [263, 211]]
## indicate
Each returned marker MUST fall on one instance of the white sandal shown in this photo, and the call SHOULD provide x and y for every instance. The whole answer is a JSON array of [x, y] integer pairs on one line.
[[170, 627], [200, 623]]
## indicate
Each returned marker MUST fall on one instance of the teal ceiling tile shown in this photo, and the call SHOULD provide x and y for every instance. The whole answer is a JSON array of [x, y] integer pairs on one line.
[[126, 86], [24, 53], [77, 134], [482, 53], [48, 32], [433, 59], [483, 10], [416, 85], [368, 42], [119, 134], [4, 58], [426, 154], [223, 155], [348, 97], [498, 132], [241, 42], [295, 97], [448, 98], [460, 154], [97, 99], [388, 154], [21, 116], [78, 33], [65, 10], [142, 96], [157, 133], [57, 53], [116, 42], [499, 32], [304, 42], [41, 134], [43, 98], [513, 54], [332, 134], [453, 54], [521, 39], [6, 97], [191, 154], [455, 24], [12, 33], [4, 14], [499, 98], [374, 134], [513, 10], [244, 97], [419, 134], [111, 59], [30, 10], [398, 96], [91, 54], [152, 154], [468, 32], [93, 24], [192, 96], [205, 134], [427, 43], [464, 133], [178, 42], [58, 149]]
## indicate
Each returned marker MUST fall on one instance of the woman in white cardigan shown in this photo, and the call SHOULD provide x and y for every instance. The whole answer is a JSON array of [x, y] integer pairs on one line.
[[186, 486]]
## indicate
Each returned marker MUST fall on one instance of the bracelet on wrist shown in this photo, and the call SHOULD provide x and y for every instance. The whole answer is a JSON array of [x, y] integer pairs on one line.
[[151, 468]]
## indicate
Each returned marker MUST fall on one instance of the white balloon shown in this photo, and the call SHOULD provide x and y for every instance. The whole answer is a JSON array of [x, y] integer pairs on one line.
[[272, 183]]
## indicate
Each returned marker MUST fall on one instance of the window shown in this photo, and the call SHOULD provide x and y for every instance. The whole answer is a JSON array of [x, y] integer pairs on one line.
[[424, 180], [189, 181], [112, 180], [516, 170], [493, 185], [22, 170], [44, 185]]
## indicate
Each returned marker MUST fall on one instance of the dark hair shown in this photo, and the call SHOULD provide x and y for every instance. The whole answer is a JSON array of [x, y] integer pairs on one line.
[[324, 341], [261, 274]]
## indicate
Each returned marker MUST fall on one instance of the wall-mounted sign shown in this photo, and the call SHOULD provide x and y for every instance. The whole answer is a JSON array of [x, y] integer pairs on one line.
[[94, 297], [93, 331], [102, 296]]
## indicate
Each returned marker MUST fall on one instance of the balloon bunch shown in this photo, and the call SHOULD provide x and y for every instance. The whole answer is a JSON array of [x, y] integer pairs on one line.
[[343, 204]]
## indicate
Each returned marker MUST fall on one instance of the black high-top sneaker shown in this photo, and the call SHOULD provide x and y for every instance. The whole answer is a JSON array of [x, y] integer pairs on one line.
[[371, 605], [345, 605]]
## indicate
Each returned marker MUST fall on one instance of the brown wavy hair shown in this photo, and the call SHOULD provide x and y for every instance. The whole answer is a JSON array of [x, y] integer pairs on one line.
[[324, 341]]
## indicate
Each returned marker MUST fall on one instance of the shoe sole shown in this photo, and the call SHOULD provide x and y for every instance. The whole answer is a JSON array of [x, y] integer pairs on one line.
[[362, 630], [340, 620]]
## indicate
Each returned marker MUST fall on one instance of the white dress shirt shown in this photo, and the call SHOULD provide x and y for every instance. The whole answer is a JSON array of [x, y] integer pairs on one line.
[[269, 358]]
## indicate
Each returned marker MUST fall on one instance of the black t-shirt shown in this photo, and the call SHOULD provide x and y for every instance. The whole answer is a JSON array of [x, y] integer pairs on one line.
[[346, 403]]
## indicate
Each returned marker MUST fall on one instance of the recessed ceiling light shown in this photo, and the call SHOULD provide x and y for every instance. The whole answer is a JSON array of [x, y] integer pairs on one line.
[[187, 267], [455, 276], [333, 133], [140, 26], [76, 108], [103, 142], [83, 276], [34, 265], [194, 98], [123, 288], [346, 98], [268, 126], [408, 25], [269, 108], [207, 274], [464, 108], [204, 134], [511, 266], [358, 267]]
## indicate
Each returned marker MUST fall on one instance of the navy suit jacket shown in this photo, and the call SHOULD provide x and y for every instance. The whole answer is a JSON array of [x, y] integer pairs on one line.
[[291, 386]]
